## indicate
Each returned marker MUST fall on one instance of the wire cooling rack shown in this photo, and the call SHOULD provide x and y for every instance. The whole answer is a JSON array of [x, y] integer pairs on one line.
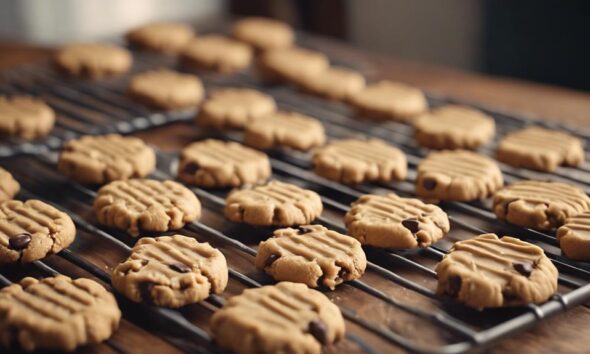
[[392, 306]]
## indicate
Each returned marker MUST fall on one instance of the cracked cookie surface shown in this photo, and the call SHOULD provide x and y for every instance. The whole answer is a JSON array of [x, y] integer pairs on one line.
[[32, 230], [487, 271], [312, 255], [288, 318], [93, 60], [171, 271], [9, 187], [25, 117], [56, 313], [146, 205]]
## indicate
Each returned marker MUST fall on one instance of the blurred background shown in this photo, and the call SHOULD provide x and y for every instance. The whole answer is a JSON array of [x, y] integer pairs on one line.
[[544, 41]]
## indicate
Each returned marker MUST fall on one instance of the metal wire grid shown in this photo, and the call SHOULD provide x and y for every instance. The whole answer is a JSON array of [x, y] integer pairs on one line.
[[77, 99]]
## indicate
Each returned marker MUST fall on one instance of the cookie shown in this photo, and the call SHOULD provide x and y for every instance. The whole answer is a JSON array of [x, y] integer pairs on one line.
[[389, 221], [215, 52], [311, 255], [171, 271], [166, 89], [218, 164], [574, 237], [387, 100], [93, 60], [275, 203], [165, 37], [56, 313], [9, 187], [334, 83], [285, 129], [487, 271], [106, 158], [290, 64], [454, 127], [32, 230], [263, 33], [234, 108], [539, 205], [540, 149], [25, 117], [354, 161], [457, 175], [285, 318], [146, 205]]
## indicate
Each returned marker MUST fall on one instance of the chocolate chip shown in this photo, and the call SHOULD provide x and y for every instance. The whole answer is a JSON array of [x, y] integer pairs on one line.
[[303, 230], [411, 224], [454, 285], [509, 295], [145, 290], [180, 267], [319, 331], [20, 241], [191, 168], [524, 268], [429, 183], [270, 260], [144, 262]]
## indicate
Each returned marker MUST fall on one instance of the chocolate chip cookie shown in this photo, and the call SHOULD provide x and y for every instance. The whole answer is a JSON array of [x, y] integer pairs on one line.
[[166, 89], [25, 117], [574, 237], [165, 37], [93, 60], [215, 52], [9, 187], [263, 33]]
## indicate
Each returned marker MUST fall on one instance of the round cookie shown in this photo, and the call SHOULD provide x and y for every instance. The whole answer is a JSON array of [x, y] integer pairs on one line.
[[311, 255], [217, 164], [287, 318], [146, 205], [354, 161], [171, 271], [106, 158], [25, 117], [166, 89], [334, 83], [454, 127], [165, 37], [389, 221], [9, 187], [215, 52], [540, 149], [56, 313], [487, 271], [263, 33], [539, 205], [574, 237], [93, 60], [275, 203], [387, 100], [234, 108], [285, 129], [32, 230], [457, 175], [290, 64]]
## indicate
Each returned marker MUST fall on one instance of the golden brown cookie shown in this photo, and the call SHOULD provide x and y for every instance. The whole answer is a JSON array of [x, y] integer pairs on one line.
[[263, 33], [389, 221], [217, 164], [285, 129], [334, 83], [540, 149], [215, 52], [290, 64], [56, 313], [234, 108], [312, 255], [146, 205], [574, 237], [285, 318], [354, 161], [539, 205], [32, 230], [171, 271], [165, 37], [106, 158], [166, 89], [487, 271], [454, 127], [275, 203], [93, 60], [389, 100], [25, 117], [9, 187], [457, 175]]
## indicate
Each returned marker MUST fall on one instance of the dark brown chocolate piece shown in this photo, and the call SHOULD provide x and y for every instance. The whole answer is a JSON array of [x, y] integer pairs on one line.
[[319, 331], [20, 241]]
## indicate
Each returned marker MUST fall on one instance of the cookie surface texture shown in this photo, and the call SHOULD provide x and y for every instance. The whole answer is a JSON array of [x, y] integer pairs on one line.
[[334, 83], [215, 52], [9, 187], [263, 33], [166, 89], [25, 117], [290, 64], [165, 37], [93, 60], [574, 237]]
